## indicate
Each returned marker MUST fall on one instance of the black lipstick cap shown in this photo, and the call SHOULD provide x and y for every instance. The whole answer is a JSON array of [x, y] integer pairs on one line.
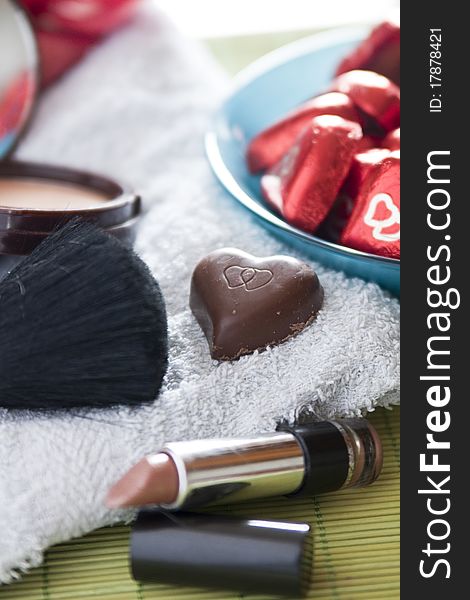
[[326, 457], [246, 555]]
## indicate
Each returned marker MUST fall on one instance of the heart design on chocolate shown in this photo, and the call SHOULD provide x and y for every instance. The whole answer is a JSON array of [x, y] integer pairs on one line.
[[233, 275], [249, 277], [284, 297], [247, 274], [261, 278], [378, 221]]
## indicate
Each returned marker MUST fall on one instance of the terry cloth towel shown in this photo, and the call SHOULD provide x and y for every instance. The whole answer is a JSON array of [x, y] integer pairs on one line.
[[137, 109]]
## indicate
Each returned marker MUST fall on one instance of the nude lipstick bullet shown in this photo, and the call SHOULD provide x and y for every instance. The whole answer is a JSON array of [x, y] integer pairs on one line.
[[302, 460]]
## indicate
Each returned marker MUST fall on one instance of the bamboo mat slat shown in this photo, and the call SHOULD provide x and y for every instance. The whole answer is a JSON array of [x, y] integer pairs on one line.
[[356, 546]]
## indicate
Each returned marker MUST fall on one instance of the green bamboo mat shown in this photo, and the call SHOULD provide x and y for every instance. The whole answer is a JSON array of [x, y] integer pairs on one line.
[[356, 546]]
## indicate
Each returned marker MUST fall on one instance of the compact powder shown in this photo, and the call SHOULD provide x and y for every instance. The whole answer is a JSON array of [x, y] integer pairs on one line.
[[36, 199], [40, 194]]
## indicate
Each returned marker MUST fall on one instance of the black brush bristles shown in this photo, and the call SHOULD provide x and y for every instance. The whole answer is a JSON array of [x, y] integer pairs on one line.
[[82, 323]]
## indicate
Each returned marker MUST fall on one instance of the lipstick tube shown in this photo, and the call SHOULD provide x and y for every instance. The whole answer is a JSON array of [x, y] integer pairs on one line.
[[303, 460]]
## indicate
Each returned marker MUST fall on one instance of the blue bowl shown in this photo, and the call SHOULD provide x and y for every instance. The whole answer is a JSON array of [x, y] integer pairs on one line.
[[263, 93]]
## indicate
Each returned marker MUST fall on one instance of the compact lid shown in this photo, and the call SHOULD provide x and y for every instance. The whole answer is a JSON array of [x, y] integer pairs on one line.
[[246, 555], [19, 74]]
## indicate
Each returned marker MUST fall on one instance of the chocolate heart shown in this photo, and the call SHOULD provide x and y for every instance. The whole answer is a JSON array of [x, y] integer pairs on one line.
[[244, 303]]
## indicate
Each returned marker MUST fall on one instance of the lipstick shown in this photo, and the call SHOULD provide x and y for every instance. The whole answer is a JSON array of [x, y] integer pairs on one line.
[[306, 460]]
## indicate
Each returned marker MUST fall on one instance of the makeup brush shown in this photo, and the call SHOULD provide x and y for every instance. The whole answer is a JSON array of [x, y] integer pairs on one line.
[[82, 323]]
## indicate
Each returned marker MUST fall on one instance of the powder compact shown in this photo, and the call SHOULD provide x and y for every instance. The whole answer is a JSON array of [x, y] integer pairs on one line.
[[36, 198]]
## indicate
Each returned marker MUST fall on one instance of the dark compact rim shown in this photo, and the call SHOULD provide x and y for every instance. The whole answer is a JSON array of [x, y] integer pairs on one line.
[[21, 229], [20, 243], [121, 206]]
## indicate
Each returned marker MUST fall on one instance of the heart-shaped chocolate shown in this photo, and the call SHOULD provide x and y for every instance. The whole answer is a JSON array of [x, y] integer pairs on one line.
[[244, 303]]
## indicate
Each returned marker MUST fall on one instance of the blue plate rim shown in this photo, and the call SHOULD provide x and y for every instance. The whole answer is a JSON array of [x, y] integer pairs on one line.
[[246, 76]]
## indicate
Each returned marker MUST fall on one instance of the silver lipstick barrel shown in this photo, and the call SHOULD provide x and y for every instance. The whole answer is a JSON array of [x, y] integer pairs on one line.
[[306, 459], [223, 470]]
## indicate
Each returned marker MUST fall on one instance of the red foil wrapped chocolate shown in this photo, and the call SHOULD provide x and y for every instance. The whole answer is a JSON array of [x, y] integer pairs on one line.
[[374, 95], [368, 142], [59, 52], [67, 29], [361, 166], [392, 140], [305, 183], [379, 52], [93, 18], [15, 102], [374, 225], [268, 147]]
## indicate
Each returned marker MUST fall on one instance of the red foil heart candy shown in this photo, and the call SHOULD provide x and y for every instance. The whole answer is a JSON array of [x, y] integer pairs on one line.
[[368, 142], [338, 217], [374, 225], [269, 146], [379, 52], [305, 183], [13, 100], [361, 165], [244, 303], [375, 96], [392, 140], [66, 30], [59, 51], [93, 18]]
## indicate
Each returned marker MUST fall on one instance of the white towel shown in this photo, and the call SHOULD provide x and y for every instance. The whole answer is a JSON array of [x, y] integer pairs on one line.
[[137, 109]]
